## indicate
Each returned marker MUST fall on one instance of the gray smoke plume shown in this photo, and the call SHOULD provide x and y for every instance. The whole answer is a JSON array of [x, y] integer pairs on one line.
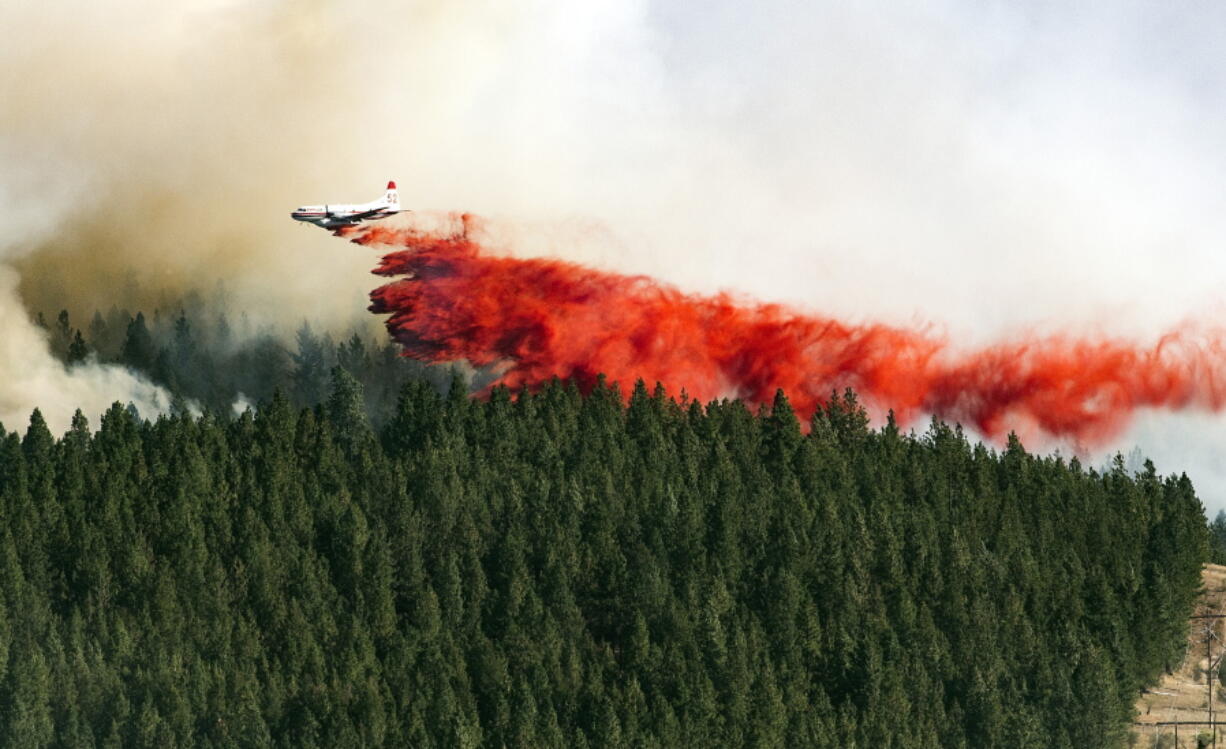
[[30, 376]]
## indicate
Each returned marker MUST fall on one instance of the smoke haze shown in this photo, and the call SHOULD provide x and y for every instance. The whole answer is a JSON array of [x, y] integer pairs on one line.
[[30, 376], [983, 170]]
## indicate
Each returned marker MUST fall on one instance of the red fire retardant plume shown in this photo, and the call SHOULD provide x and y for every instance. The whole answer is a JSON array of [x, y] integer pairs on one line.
[[544, 318]]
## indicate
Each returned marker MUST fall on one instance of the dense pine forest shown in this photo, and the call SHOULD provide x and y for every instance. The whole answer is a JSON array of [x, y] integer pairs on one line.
[[560, 569], [212, 362]]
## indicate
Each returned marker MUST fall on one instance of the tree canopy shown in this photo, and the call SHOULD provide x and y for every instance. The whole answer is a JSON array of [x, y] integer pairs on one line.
[[560, 569]]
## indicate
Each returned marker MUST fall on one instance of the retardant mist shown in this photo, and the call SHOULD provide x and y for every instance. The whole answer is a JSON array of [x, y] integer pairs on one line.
[[544, 318]]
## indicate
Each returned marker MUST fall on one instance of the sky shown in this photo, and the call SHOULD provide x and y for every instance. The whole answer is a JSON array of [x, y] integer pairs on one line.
[[981, 170]]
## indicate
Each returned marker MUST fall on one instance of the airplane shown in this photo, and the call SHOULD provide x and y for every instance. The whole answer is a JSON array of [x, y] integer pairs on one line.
[[336, 216]]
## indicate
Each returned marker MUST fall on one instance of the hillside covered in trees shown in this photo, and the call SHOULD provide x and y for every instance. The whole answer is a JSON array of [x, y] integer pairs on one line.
[[554, 569], [210, 361]]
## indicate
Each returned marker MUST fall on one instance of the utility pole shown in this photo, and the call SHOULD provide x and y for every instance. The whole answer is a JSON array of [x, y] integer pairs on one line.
[[1211, 668]]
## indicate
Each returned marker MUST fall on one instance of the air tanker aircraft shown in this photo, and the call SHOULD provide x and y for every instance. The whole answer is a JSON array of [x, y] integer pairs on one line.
[[336, 216]]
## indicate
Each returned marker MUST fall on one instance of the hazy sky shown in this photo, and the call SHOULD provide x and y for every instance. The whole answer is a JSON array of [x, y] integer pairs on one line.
[[984, 170]]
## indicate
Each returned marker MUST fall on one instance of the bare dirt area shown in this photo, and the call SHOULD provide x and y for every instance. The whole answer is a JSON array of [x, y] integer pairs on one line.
[[1168, 712]]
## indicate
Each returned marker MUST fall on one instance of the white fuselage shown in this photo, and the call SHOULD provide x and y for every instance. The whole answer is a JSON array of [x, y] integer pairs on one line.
[[332, 216]]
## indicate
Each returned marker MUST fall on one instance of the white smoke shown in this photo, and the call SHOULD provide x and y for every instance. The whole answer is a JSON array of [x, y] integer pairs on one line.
[[241, 405], [33, 378], [30, 377]]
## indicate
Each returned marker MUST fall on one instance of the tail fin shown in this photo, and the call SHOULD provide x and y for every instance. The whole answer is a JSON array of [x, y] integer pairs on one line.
[[393, 196]]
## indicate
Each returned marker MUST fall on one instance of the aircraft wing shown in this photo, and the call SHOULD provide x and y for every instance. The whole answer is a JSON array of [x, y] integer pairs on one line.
[[364, 214]]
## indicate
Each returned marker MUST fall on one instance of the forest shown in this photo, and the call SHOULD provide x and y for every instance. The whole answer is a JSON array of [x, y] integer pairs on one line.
[[558, 568], [210, 362]]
